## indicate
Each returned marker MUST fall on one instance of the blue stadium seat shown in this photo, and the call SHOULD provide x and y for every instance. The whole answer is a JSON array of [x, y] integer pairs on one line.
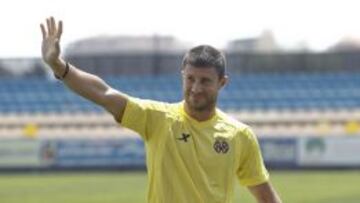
[[252, 91]]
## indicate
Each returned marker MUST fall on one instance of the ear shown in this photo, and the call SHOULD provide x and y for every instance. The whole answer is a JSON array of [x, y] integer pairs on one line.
[[182, 74], [223, 81]]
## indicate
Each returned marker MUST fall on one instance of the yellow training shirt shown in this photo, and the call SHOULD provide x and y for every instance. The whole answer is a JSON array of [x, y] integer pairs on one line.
[[190, 161]]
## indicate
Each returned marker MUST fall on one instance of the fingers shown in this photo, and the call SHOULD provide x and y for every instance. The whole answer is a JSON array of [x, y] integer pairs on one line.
[[49, 30], [53, 25], [43, 31], [52, 29], [59, 30]]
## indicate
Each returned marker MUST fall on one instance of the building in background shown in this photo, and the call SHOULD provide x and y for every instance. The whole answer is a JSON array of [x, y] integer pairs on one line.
[[114, 45], [346, 44], [265, 43], [124, 55], [14, 67]]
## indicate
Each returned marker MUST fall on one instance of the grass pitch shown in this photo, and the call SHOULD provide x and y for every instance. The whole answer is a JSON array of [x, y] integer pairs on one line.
[[130, 187]]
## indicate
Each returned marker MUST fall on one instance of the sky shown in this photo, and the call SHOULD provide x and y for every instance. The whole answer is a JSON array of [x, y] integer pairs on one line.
[[318, 23]]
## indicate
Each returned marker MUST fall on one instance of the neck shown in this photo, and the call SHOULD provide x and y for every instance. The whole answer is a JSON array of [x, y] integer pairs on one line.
[[200, 115]]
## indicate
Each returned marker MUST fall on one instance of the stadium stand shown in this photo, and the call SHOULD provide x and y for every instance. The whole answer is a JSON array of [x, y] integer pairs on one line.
[[258, 91], [275, 104]]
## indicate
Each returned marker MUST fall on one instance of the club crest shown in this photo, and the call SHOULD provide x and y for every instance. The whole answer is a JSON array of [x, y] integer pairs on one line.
[[221, 145]]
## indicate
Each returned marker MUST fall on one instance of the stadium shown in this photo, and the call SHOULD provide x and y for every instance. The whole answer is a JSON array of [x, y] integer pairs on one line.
[[56, 146]]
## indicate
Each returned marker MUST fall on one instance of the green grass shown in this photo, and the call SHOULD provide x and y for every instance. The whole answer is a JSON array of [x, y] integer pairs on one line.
[[293, 186]]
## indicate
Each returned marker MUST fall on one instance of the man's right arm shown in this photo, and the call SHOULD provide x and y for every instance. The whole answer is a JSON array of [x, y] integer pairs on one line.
[[94, 89], [85, 84]]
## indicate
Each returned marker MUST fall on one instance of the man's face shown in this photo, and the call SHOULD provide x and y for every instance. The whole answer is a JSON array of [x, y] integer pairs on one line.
[[201, 87]]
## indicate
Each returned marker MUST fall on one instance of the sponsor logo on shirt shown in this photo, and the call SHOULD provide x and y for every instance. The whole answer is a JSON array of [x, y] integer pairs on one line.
[[184, 137], [221, 146]]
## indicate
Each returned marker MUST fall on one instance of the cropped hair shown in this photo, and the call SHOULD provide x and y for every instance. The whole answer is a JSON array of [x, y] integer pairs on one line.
[[205, 56]]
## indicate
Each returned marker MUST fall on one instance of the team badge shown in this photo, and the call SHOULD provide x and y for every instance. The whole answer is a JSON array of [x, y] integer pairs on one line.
[[221, 146]]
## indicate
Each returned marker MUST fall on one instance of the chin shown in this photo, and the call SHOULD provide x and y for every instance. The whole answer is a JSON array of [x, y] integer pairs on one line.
[[199, 107]]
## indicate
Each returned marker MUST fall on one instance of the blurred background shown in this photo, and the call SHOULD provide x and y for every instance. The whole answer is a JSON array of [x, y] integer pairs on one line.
[[294, 69]]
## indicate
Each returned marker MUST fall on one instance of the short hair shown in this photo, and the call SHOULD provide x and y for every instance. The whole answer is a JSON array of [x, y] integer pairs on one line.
[[205, 56]]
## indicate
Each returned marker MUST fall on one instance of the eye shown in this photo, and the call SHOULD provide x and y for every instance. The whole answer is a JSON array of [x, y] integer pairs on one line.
[[190, 79], [206, 81]]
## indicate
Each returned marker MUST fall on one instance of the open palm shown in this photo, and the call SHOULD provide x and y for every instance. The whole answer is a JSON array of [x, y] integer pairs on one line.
[[50, 48]]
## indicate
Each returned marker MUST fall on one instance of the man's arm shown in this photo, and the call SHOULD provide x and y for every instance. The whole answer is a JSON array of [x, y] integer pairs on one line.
[[265, 193], [87, 85]]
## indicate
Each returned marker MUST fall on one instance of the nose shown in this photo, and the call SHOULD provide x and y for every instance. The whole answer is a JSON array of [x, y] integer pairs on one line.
[[196, 87]]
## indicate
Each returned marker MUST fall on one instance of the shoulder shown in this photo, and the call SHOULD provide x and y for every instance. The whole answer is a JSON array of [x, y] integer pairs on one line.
[[153, 105], [230, 121], [241, 130]]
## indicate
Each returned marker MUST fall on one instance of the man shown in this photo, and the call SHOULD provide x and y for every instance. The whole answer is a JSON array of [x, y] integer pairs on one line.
[[194, 151]]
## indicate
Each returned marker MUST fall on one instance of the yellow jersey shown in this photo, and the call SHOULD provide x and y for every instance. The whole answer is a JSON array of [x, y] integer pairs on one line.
[[190, 161]]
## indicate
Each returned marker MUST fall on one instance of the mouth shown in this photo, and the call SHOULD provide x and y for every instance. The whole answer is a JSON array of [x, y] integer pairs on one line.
[[197, 96]]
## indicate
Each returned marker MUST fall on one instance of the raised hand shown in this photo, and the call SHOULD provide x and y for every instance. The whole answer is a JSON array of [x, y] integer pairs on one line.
[[50, 48]]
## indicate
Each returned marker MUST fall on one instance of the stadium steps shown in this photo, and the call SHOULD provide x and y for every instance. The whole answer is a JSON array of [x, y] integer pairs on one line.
[[265, 123]]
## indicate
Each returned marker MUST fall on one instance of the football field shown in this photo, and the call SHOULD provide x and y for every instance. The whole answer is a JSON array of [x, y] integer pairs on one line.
[[128, 187]]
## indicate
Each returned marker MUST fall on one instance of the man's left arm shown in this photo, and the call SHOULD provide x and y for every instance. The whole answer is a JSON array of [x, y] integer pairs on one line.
[[265, 193]]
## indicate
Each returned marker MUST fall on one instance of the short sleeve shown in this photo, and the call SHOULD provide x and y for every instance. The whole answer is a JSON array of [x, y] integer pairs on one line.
[[143, 116], [251, 170]]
